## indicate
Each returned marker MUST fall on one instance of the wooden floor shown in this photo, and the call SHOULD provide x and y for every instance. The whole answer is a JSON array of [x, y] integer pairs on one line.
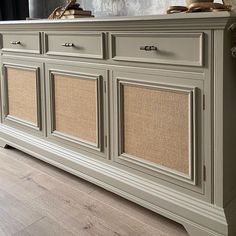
[[41, 200]]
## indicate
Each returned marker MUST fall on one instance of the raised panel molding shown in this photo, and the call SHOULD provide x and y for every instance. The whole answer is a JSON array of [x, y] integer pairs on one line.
[[97, 144], [31, 119], [187, 173]]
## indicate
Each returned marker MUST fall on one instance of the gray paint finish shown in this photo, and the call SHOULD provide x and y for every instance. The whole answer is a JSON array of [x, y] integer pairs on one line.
[[207, 211], [108, 7]]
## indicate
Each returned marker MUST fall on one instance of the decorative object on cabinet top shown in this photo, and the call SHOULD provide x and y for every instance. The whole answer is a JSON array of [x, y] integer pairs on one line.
[[199, 6], [71, 10]]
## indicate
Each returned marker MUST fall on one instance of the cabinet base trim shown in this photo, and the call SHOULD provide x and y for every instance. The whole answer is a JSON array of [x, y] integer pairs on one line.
[[195, 215]]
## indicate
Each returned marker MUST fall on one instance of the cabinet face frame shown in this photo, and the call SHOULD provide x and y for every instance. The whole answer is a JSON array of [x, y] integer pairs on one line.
[[17, 122], [97, 148], [195, 88]]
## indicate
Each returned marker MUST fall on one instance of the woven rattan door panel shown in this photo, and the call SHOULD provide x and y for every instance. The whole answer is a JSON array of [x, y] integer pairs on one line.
[[22, 95], [76, 108], [75, 104], [156, 127]]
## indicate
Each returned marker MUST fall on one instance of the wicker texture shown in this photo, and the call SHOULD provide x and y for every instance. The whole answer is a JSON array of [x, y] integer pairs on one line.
[[76, 107], [156, 126], [22, 94]]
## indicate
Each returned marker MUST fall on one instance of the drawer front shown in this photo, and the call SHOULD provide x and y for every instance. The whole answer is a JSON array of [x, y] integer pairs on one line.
[[85, 45], [163, 48], [22, 42]]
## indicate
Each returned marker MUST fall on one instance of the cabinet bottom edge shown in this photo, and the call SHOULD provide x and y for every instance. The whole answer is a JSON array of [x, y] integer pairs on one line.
[[208, 220]]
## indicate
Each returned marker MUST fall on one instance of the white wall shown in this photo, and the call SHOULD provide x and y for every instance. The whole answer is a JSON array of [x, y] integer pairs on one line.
[[130, 7], [43, 8]]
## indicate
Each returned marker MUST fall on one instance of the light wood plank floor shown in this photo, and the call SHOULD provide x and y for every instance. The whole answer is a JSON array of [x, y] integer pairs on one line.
[[40, 200]]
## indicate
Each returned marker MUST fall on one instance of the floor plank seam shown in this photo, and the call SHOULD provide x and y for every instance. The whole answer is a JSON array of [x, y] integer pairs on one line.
[[24, 229], [35, 173], [53, 177]]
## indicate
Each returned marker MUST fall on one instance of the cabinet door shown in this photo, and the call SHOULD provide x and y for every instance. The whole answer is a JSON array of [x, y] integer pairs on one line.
[[22, 89], [76, 110], [158, 122]]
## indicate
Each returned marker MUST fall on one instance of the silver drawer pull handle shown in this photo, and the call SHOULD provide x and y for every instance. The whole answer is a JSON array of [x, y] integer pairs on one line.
[[68, 45], [148, 48], [15, 42]]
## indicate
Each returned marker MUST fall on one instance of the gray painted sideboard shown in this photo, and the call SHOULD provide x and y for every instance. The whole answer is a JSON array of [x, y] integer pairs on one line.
[[141, 106]]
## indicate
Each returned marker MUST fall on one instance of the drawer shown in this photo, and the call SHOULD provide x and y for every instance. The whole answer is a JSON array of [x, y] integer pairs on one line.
[[21, 42], [87, 45], [163, 48]]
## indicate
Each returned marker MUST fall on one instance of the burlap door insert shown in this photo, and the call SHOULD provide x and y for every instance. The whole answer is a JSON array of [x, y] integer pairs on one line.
[[156, 126], [75, 107], [22, 94]]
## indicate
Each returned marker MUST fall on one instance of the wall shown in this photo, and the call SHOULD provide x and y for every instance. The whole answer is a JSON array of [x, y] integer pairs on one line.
[[108, 7], [43, 8], [129, 7]]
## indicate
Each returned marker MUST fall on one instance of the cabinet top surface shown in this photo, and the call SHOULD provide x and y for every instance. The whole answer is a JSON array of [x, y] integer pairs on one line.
[[203, 20]]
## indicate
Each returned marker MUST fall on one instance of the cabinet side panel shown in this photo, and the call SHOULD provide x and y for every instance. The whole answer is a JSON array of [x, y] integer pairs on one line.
[[229, 119]]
